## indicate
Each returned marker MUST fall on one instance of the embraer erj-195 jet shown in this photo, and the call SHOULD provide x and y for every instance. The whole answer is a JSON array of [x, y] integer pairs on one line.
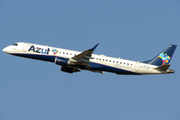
[[72, 61]]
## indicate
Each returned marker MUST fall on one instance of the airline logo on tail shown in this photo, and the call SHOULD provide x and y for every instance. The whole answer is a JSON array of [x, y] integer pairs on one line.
[[165, 58]]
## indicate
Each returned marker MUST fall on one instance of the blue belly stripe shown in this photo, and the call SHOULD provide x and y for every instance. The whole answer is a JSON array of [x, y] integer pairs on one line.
[[94, 66]]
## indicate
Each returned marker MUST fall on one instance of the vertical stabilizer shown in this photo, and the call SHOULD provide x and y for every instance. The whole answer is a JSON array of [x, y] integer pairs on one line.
[[164, 57]]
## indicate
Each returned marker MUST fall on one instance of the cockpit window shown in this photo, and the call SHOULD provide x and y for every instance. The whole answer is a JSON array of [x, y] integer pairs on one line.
[[15, 44]]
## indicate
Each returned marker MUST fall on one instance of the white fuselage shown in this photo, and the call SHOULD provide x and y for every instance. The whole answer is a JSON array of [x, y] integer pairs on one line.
[[109, 64]]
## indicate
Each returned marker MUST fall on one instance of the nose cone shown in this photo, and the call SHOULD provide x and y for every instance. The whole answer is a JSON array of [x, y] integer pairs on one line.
[[5, 49]]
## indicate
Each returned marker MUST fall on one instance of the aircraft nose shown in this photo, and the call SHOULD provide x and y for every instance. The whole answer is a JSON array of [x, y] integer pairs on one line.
[[5, 49]]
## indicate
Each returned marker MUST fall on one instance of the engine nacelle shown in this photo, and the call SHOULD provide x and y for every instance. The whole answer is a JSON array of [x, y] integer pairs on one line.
[[62, 61], [69, 70]]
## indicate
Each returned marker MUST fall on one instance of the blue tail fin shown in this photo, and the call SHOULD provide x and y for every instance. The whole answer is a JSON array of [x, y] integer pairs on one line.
[[163, 57]]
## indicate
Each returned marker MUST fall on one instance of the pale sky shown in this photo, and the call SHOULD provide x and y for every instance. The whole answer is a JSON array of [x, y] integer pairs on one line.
[[135, 30]]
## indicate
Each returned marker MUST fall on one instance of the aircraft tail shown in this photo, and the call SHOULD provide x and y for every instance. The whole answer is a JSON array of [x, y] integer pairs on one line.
[[163, 57]]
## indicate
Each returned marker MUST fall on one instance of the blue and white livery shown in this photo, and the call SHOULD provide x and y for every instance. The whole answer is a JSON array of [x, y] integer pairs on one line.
[[74, 61]]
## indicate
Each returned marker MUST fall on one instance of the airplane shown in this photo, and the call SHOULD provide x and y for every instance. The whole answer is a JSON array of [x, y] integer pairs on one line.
[[74, 61]]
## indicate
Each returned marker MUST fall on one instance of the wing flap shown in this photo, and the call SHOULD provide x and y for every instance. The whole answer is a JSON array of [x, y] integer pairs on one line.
[[87, 57], [84, 60]]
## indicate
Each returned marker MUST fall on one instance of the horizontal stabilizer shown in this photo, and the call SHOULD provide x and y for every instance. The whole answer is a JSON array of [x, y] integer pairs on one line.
[[163, 67]]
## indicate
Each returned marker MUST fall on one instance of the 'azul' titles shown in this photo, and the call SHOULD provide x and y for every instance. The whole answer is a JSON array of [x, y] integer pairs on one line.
[[39, 50]]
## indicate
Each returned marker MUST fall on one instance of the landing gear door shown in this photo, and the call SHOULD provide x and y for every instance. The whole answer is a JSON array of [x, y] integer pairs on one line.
[[26, 47], [137, 66]]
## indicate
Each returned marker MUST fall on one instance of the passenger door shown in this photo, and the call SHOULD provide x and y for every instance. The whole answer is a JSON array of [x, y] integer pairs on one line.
[[26, 47], [137, 66]]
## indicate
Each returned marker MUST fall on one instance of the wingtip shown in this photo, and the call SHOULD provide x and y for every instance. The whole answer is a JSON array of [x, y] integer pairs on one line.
[[92, 49]]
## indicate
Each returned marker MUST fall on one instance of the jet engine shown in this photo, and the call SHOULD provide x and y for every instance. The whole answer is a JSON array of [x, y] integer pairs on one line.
[[62, 61], [69, 70]]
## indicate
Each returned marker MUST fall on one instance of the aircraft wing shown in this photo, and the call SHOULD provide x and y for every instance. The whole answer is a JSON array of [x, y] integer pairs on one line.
[[85, 56]]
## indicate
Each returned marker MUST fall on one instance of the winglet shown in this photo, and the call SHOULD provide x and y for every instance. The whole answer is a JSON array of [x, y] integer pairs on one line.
[[92, 49]]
